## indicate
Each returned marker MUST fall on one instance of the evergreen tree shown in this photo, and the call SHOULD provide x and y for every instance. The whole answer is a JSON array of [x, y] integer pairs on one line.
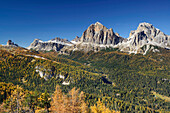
[[44, 101]]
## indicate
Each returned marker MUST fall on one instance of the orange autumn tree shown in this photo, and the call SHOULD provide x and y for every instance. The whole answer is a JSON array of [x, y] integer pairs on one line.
[[57, 103], [73, 102], [101, 108]]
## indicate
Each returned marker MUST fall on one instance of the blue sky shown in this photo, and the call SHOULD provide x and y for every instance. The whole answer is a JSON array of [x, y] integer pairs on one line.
[[24, 20]]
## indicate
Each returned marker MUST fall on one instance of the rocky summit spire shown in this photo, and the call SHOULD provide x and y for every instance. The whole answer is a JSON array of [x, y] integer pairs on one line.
[[94, 38], [10, 43]]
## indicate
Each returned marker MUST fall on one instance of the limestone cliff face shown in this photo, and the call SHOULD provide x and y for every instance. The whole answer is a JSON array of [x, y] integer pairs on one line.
[[95, 38], [54, 44], [152, 34], [146, 34], [99, 34]]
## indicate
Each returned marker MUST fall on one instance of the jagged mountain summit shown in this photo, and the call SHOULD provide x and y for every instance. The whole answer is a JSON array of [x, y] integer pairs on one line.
[[54, 44], [95, 38], [98, 34], [145, 35]]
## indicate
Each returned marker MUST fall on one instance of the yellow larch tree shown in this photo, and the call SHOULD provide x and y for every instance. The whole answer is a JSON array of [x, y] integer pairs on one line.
[[101, 108]]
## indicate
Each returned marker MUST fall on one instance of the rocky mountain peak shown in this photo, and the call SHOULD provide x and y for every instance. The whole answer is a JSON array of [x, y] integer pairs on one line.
[[145, 25], [99, 34], [146, 34], [94, 38], [98, 23], [97, 27], [37, 40], [10, 43]]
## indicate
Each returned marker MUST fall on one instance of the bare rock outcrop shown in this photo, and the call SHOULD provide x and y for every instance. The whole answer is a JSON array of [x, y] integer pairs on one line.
[[10, 43]]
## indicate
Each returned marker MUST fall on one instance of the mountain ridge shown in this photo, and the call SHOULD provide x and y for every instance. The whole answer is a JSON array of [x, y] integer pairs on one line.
[[54, 44], [97, 37]]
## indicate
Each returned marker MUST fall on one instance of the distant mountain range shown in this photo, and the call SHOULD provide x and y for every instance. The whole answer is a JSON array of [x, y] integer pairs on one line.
[[97, 37]]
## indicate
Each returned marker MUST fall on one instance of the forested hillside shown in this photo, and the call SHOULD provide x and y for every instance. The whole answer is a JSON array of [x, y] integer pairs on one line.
[[135, 75], [108, 79]]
